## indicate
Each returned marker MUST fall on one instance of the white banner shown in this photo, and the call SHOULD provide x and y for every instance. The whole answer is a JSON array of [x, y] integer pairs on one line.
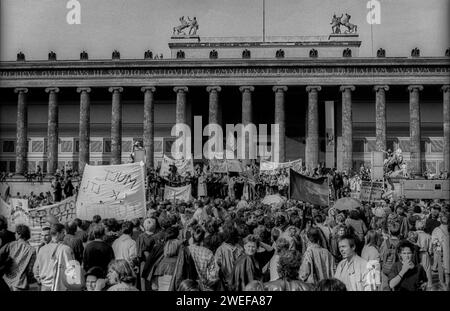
[[112, 191], [178, 193], [19, 204], [36, 218], [269, 166], [183, 166]]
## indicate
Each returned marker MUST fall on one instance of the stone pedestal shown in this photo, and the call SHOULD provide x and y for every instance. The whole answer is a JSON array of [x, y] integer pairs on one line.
[[85, 117], [22, 131], [414, 129], [347, 130], [149, 125], [52, 130], [312, 137], [116, 125], [280, 119], [380, 115], [446, 111]]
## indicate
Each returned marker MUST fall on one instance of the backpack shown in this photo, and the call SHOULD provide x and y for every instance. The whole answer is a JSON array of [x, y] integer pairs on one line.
[[390, 257]]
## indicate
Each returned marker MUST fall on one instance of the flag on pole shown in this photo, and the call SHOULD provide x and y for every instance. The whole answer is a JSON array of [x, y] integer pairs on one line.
[[307, 189]]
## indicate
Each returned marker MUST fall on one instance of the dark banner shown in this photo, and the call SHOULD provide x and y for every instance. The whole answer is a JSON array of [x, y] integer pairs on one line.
[[307, 189]]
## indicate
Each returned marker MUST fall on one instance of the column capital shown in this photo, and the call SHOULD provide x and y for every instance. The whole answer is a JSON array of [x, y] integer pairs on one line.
[[345, 87], [115, 88], [213, 88], [247, 88], [445, 88], [84, 89], [279, 88], [52, 89], [310, 88], [148, 88], [376, 88], [413, 87], [21, 90], [177, 89]]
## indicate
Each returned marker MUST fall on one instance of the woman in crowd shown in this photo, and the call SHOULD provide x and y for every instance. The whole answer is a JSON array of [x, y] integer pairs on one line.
[[354, 221], [121, 276], [247, 267], [405, 275], [425, 249], [371, 250]]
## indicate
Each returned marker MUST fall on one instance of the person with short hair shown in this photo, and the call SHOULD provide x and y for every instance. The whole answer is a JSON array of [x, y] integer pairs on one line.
[[405, 274], [51, 259], [247, 267], [95, 279], [97, 252], [121, 276], [228, 252], [23, 256], [352, 270], [318, 262], [74, 242], [288, 267], [124, 247]]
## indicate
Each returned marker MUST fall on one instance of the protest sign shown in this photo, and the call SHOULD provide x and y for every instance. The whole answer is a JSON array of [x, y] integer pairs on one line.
[[371, 191], [177, 193], [112, 191], [183, 166], [19, 204]]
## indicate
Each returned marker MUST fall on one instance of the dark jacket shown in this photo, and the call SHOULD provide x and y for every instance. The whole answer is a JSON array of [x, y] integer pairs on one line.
[[185, 268]]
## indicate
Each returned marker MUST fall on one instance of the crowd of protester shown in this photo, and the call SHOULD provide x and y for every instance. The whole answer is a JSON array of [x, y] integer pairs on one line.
[[228, 240]]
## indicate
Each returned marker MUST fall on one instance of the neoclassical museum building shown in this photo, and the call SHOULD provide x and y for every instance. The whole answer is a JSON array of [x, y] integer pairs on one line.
[[332, 105]]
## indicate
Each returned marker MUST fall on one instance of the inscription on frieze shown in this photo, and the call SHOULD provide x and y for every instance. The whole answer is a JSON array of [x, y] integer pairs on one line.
[[207, 72]]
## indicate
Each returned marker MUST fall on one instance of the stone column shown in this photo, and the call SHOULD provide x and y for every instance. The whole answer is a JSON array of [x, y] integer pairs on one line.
[[85, 117], [52, 131], [22, 131], [214, 108], [247, 117], [149, 125], [446, 104], [347, 131], [380, 116], [181, 104], [312, 138], [414, 129], [280, 119], [116, 125]]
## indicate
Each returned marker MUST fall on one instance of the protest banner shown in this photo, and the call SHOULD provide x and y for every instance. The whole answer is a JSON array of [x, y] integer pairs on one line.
[[267, 166], [177, 193], [112, 191], [307, 189], [225, 166], [371, 191], [183, 166], [36, 218]]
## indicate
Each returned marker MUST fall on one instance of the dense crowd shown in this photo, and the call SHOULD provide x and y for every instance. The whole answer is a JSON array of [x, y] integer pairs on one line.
[[226, 244], [227, 239]]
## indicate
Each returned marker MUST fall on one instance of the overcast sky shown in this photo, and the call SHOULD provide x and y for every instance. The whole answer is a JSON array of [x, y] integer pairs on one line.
[[133, 26]]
